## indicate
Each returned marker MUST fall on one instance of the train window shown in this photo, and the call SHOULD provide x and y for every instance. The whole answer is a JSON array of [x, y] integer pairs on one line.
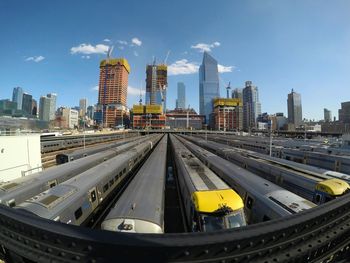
[[317, 199], [78, 213], [111, 182], [93, 196], [249, 202], [105, 187]]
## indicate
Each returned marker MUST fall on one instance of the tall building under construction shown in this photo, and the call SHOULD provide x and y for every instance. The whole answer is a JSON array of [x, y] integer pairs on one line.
[[112, 92], [156, 84]]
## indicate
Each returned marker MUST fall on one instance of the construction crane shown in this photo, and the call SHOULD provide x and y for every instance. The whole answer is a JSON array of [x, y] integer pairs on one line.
[[166, 57]]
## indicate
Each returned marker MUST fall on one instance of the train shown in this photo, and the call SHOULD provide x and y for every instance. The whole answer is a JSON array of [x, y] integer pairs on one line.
[[263, 200], [81, 153], [209, 203], [20, 189], [135, 212], [76, 200], [51, 144], [315, 184]]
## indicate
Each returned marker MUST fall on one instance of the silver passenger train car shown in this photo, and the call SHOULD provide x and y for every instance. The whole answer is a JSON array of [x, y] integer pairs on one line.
[[20, 189], [209, 203], [263, 200], [140, 209], [75, 201]]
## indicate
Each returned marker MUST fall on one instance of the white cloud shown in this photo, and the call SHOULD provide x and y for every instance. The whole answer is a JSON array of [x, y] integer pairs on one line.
[[106, 40], [136, 54], [35, 58], [95, 88], [136, 41], [122, 42], [135, 91], [86, 57], [224, 69], [89, 49], [206, 47], [182, 67]]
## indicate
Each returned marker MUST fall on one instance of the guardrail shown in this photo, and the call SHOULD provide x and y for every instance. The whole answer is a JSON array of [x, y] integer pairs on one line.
[[321, 234]]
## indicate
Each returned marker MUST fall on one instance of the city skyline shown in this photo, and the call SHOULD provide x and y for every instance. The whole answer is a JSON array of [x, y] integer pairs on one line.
[[278, 46]]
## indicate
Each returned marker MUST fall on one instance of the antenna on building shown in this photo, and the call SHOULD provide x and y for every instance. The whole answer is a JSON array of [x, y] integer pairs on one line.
[[228, 87], [154, 60]]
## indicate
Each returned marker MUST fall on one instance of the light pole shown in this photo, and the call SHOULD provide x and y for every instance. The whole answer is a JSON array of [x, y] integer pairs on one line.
[[270, 137]]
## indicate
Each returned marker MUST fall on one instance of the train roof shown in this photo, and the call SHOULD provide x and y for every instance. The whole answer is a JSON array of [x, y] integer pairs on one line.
[[211, 201], [333, 186]]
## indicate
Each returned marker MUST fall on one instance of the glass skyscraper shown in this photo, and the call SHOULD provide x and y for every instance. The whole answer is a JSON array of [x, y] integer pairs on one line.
[[251, 106], [208, 85], [181, 96], [17, 96], [294, 109]]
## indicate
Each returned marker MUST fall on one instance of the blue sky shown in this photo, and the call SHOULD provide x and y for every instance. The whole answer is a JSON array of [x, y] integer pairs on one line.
[[279, 45]]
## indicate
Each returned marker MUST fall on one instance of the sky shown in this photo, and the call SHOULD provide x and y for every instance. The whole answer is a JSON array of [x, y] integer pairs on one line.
[[56, 46]]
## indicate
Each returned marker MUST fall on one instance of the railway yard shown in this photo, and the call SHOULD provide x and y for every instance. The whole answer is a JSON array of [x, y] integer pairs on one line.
[[181, 197]]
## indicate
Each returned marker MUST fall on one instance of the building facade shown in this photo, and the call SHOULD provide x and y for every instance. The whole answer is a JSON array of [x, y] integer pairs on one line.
[[156, 85], [228, 114], [251, 106], [27, 102], [184, 119], [237, 93], [70, 117], [53, 99], [44, 108], [327, 115], [34, 108], [295, 115], [208, 85], [181, 96], [17, 96], [344, 112], [82, 107], [112, 92]]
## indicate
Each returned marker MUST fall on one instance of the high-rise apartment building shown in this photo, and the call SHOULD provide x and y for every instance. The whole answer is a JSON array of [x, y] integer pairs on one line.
[[344, 112], [327, 115], [181, 96], [53, 99], [44, 108], [294, 109], [156, 84], [112, 92], [17, 96], [251, 106], [27, 101], [82, 107], [208, 85]]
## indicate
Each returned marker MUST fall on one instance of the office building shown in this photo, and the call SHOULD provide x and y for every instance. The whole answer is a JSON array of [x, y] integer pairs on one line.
[[82, 107], [237, 93], [184, 119], [294, 109], [34, 108], [27, 101], [228, 114], [208, 85], [70, 117], [156, 85], [53, 99], [17, 97], [148, 117], [251, 106], [344, 112], [327, 115], [112, 92], [90, 112], [44, 108], [8, 107], [181, 96]]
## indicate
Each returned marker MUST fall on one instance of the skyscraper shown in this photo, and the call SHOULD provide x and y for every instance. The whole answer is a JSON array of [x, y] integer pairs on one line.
[[17, 96], [237, 93], [34, 108], [208, 85], [344, 112], [27, 102], [156, 84], [53, 98], [251, 106], [294, 109], [181, 95], [44, 108], [112, 92], [82, 106], [327, 115]]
